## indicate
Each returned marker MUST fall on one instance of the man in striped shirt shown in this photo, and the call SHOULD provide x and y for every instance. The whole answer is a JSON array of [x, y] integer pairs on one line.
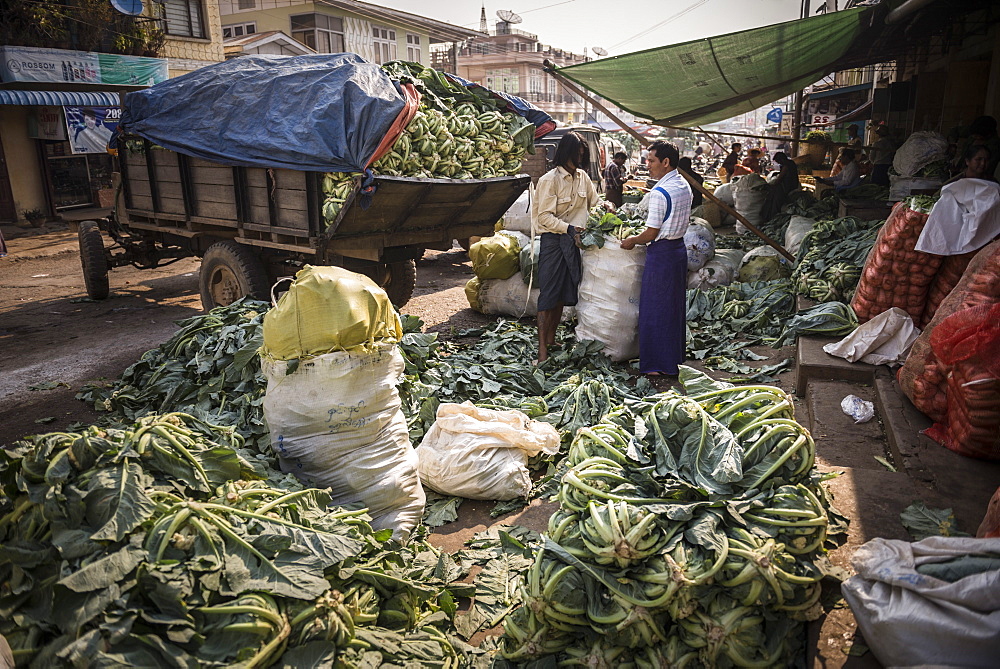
[[664, 277]]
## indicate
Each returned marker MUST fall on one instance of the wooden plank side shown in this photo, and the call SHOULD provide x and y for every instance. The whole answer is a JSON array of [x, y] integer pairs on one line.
[[226, 211], [172, 205], [289, 180], [214, 175], [214, 193], [142, 201]]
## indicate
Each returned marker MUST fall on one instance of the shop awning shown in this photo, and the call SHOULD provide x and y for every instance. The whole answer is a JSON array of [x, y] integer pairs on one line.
[[59, 98], [713, 79]]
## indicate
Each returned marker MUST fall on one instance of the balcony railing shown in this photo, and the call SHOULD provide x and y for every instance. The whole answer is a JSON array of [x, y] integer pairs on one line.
[[507, 30]]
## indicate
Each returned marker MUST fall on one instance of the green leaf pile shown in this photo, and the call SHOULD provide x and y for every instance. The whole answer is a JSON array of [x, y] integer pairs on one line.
[[694, 541], [159, 546]]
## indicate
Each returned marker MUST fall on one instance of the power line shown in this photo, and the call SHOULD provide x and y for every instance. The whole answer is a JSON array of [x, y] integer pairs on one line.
[[688, 9]]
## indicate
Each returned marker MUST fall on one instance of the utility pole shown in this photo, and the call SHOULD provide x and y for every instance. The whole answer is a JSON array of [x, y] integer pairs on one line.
[[797, 127]]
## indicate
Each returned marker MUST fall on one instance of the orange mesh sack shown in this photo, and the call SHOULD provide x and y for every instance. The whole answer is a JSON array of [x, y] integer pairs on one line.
[[968, 342], [948, 276], [990, 527], [895, 274], [922, 378]]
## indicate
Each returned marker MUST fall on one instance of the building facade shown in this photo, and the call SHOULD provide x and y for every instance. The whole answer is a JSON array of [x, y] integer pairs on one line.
[[376, 33], [511, 60], [59, 94]]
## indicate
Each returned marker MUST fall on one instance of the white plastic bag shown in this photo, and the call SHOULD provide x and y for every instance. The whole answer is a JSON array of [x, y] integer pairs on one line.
[[518, 217], [482, 453], [725, 193], [860, 410], [909, 619], [508, 297], [966, 218], [884, 340], [511, 297], [798, 228], [337, 422], [608, 306], [749, 193], [719, 271], [699, 240]]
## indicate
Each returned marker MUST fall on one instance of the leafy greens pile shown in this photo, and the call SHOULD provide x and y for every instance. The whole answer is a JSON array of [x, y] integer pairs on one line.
[[689, 533], [158, 546], [832, 256]]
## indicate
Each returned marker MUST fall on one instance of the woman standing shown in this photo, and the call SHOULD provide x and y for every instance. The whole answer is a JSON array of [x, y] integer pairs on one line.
[[563, 198]]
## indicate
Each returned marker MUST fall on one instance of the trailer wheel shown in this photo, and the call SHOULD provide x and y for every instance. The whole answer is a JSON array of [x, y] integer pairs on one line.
[[230, 271], [397, 279], [93, 260]]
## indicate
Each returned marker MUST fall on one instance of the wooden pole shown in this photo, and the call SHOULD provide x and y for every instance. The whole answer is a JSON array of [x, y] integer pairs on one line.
[[644, 142]]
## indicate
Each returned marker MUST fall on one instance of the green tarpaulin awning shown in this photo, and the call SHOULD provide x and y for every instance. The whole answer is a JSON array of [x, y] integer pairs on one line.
[[716, 78]]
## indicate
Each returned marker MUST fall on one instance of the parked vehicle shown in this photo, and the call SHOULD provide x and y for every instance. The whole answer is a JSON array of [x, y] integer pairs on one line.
[[251, 226], [545, 153]]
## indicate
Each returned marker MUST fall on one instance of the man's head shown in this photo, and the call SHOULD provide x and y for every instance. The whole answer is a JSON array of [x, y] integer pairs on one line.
[[736, 147], [882, 131], [755, 153], [663, 159], [572, 152], [780, 158], [847, 156], [619, 158], [852, 131], [684, 164], [983, 127]]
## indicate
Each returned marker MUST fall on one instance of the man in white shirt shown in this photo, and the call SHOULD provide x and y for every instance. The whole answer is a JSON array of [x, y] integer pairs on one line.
[[662, 304]]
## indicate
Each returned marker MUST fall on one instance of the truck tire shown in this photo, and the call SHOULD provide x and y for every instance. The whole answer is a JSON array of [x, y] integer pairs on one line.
[[93, 260], [397, 279], [230, 271]]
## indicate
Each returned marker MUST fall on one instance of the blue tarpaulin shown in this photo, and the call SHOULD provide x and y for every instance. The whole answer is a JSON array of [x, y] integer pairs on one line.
[[323, 112]]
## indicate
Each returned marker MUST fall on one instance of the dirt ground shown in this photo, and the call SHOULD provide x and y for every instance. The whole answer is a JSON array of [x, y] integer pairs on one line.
[[51, 333]]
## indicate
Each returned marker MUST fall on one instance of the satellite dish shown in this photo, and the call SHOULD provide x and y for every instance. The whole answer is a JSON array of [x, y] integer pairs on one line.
[[508, 16], [128, 7], [600, 51]]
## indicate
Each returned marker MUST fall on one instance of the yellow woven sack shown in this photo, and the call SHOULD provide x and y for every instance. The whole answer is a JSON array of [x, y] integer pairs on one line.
[[329, 309], [472, 293], [495, 257]]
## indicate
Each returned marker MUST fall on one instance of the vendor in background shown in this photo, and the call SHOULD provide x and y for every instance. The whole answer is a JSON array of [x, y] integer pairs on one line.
[[883, 151], [662, 304], [849, 176], [732, 160], [752, 161], [982, 132], [783, 184], [563, 198], [975, 164], [614, 179], [684, 165], [853, 141]]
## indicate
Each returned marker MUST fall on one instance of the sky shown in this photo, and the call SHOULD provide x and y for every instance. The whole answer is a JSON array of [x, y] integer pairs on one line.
[[618, 26]]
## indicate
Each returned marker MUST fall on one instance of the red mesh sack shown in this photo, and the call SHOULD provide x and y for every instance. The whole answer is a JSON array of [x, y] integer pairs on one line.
[[968, 342], [923, 377], [948, 276], [895, 274], [990, 527]]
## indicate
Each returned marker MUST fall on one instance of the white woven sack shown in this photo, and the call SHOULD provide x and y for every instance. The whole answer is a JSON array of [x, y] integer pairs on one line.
[[518, 217], [608, 307], [337, 422], [913, 620], [482, 453], [508, 297]]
